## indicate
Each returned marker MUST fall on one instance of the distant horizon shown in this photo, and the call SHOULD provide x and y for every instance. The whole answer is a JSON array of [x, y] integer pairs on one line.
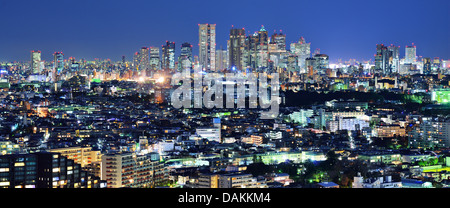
[[345, 30]]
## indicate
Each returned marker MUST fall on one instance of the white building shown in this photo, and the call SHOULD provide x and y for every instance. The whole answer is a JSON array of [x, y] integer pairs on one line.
[[131, 170], [211, 134], [240, 181], [380, 182]]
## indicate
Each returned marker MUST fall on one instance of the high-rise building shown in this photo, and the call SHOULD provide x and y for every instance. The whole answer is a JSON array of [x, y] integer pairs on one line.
[[43, 170], [207, 46], [426, 65], [221, 59], [144, 61], [236, 48], [168, 56], [132, 170], [58, 62], [303, 51], [155, 60], [81, 155], [394, 60], [279, 40], [35, 66], [382, 58], [410, 54], [185, 59], [262, 48], [321, 62]]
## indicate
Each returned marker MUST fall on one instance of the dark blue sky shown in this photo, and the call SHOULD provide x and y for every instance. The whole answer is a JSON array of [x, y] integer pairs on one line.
[[109, 29]]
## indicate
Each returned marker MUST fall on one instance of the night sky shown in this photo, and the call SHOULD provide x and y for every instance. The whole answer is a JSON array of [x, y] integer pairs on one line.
[[109, 29]]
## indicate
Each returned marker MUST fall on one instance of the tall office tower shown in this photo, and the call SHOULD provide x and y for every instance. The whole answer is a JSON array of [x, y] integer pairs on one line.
[[394, 60], [144, 61], [279, 40], [382, 58], [207, 46], [58, 62], [35, 62], [410, 54], [136, 61], [168, 56], [155, 61], [221, 59], [321, 62], [303, 51], [236, 48], [185, 59], [426, 65], [250, 51], [262, 48]]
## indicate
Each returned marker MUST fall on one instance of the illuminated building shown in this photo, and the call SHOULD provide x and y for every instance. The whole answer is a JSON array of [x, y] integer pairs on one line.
[[382, 59], [208, 181], [168, 56], [155, 61], [212, 134], [257, 49], [394, 60], [440, 96], [430, 134], [445, 64], [303, 51], [80, 155], [236, 48], [410, 54], [143, 61], [240, 181], [58, 62], [43, 170], [253, 139], [279, 40], [321, 62], [131, 170], [207, 46], [7, 147], [262, 48], [35, 66], [379, 182], [389, 131], [185, 60], [426, 65], [221, 59]]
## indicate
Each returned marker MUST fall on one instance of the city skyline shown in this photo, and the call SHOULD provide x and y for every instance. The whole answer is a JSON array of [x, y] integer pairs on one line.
[[113, 36]]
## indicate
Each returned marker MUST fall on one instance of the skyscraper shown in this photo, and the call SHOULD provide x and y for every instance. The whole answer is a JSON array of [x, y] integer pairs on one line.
[[155, 60], [35, 62], [410, 54], [144, 64], [185, 59], [382, 58], [280, 41], [207, 46], [236, 48], [426, 66], [221, 59], [394, 60], [168, 56], [58, 62], [303, 51], [262, 48]]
